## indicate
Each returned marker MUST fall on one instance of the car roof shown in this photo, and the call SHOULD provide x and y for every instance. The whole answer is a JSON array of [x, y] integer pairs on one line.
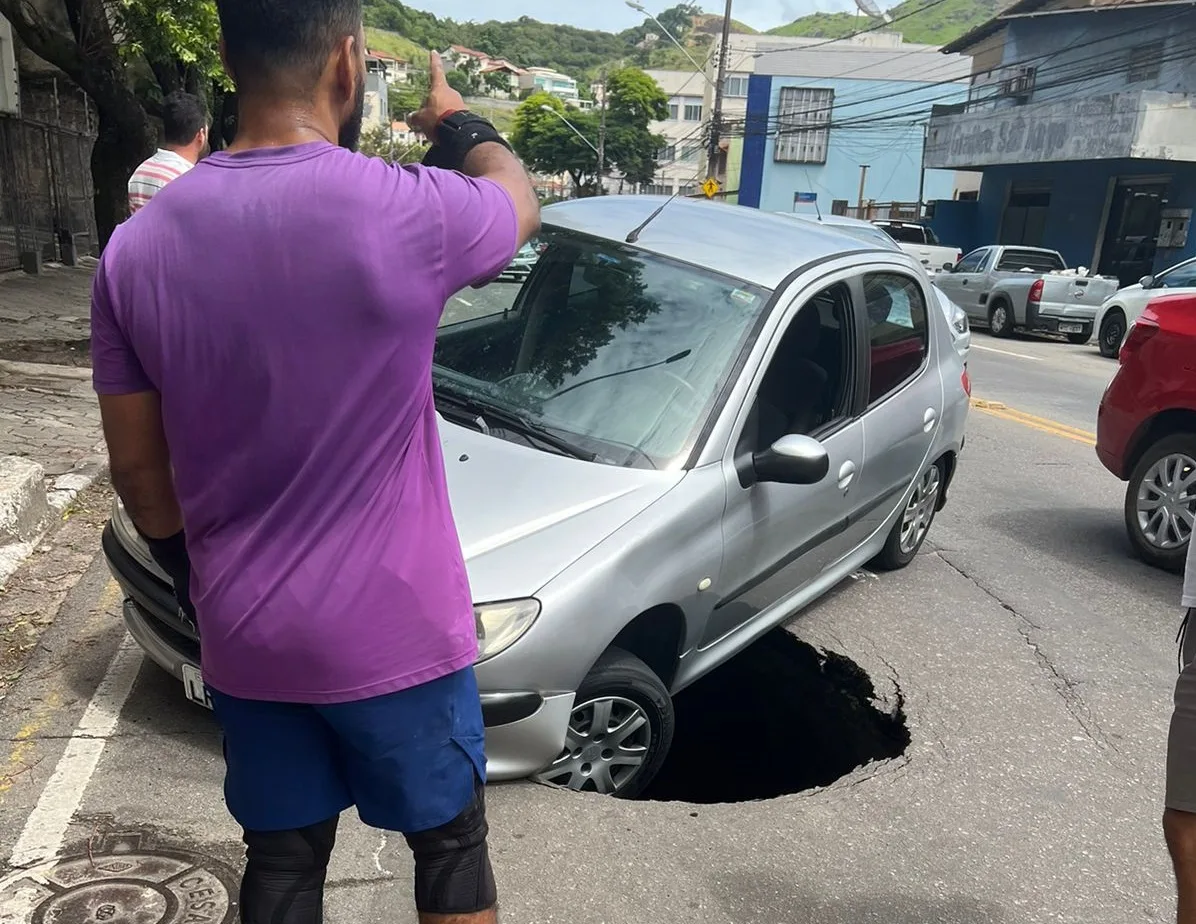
[[738, 241]]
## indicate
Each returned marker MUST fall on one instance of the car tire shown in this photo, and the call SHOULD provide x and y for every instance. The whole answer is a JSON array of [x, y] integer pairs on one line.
[[1112, 333], [1000, 319], [1079, 339], [633, 695], [913, 526], [1149, 479]]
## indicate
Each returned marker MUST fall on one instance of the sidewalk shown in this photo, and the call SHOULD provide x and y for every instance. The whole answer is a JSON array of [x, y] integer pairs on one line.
[[48, 412]]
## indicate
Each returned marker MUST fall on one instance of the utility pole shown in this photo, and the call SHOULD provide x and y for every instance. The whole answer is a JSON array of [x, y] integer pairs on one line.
[[716, 117], [860, 200], [922, 169], [602, 138]]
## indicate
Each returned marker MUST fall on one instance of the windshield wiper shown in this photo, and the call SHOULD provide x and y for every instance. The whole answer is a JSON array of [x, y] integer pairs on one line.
[[479, 410]]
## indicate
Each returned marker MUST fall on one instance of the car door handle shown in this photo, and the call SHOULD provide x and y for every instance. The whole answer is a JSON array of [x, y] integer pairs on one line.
[[929, 419], [963, 282], [846, 475]]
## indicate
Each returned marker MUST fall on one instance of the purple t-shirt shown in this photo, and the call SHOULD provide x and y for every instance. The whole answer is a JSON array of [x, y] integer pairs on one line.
[[284, 302]]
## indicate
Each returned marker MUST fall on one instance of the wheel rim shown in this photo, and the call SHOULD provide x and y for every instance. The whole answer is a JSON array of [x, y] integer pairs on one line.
[[1167, 502], [605, 747], [920, 511], [1113, 334], [999, 318]]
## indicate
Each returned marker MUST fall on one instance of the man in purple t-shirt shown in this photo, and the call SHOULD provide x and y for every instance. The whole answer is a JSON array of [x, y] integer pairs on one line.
[[262, 338]]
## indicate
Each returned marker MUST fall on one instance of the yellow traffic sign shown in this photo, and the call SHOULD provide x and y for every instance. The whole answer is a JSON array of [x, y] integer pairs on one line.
[[710, 187]]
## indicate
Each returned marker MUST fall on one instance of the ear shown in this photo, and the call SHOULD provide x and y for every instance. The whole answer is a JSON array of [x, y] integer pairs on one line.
[[350, 63]]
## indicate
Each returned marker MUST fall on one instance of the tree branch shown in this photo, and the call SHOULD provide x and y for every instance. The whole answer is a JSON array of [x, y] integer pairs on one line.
[[43, 39]]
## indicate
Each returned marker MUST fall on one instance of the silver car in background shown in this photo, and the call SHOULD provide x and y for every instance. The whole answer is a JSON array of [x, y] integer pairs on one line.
[[685, 427]]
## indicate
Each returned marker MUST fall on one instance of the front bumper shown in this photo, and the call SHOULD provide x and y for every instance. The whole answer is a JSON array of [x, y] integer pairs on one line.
[[525, 730]]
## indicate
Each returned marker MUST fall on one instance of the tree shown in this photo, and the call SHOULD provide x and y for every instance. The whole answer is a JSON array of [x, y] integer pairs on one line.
[[409, 97], [548, 145], [459, 81], [379, 142], [498, 82], [634, 100], [125, 55]]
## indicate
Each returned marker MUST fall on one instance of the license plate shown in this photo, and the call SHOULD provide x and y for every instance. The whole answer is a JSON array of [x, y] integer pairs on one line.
[[1071, 328], [193, 686]]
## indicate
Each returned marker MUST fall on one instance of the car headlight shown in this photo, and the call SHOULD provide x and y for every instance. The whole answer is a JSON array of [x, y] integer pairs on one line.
[[501, 625]]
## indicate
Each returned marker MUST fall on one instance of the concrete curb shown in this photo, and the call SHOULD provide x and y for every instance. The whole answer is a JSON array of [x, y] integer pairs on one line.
[[29, 504]]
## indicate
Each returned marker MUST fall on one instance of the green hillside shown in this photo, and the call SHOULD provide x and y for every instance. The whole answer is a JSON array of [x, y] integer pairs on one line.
[[941, 23]]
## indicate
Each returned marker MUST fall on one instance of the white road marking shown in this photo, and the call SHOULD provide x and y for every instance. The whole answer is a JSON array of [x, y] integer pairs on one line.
[[46, 827], [988, 349], [378, 856], [465, 303]]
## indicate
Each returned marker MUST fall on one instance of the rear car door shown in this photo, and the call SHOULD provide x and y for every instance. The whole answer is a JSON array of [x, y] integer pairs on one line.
[[963, 283], [777, 538], [904, 391]]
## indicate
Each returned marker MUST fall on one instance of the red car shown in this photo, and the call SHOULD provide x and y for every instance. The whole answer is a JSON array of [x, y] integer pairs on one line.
[[1146, 429]]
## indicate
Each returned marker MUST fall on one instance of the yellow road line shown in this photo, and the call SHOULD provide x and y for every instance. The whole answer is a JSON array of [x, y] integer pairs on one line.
[[1042, 424]]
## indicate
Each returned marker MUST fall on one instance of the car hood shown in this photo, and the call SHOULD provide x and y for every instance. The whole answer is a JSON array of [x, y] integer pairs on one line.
[[525, 515]]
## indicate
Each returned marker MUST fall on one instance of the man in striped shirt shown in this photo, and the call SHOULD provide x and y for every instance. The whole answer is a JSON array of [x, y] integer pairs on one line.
[[185, 141]]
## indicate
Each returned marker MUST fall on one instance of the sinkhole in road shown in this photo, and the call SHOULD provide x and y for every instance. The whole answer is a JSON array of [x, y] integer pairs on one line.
[[779, 718]]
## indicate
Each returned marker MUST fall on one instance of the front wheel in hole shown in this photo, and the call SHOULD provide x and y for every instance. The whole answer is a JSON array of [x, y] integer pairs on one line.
[[620, 730], [912, 527]]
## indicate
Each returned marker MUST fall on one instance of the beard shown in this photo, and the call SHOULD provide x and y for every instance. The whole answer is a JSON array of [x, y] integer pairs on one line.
[[350, 133]]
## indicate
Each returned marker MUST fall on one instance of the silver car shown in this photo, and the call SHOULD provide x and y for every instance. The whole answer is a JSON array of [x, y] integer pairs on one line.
[[680, 431]]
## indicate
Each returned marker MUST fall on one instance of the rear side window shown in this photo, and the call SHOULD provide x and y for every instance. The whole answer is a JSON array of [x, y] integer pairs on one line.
[[906, 234], [898, 332], [1014, 260], [972, 262]]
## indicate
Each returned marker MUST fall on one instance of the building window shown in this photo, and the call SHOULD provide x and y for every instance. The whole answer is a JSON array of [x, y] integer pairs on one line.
[[667, 155], [1144, 62], [693, 112], [690, 153], [803, 125], [657, 189], [688, 189], [736, 85], [674, 112]]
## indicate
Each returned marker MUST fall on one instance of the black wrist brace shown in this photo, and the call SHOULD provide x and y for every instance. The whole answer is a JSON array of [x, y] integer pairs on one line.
[[456, 136], [171, 556]]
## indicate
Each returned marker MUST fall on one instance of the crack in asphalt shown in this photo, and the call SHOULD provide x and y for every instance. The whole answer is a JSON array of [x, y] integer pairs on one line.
[[1066, 687]]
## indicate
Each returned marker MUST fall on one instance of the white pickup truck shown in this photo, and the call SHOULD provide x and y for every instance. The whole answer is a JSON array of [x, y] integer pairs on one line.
[[921, 243], [1028, 288]]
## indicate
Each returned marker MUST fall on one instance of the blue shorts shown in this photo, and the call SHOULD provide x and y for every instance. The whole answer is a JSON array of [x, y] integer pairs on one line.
[[409, 761]]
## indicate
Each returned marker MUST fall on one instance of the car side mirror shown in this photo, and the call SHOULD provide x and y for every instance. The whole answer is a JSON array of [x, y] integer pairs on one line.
[[1146, 282], [948, 267], [792, 460]]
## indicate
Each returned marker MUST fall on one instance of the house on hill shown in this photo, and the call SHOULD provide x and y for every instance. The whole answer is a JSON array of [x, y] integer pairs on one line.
[[1082, 119]]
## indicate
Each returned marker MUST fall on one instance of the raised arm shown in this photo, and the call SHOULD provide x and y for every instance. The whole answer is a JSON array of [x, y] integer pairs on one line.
[[469, 144]]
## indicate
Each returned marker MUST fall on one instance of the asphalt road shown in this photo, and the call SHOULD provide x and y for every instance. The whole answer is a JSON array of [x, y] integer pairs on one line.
[[1034, 657]]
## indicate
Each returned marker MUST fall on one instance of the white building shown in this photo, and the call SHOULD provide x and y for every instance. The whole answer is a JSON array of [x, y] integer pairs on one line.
[[679, 164], [546, 80]]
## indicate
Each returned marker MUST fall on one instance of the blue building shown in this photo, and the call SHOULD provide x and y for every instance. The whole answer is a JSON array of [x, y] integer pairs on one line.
[[1082, 122], [817, 116]]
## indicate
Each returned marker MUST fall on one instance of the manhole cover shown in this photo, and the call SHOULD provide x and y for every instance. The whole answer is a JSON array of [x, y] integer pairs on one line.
[[120, 883]]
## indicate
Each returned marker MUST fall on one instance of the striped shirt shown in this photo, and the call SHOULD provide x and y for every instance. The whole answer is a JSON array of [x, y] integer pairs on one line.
[[148, 179]]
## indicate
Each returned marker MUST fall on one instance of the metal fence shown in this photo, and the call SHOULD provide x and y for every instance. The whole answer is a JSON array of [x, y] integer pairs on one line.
[[869, 211], [46, 196]]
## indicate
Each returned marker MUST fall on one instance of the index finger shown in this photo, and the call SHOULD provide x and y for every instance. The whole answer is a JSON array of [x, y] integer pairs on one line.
[[435, 69]]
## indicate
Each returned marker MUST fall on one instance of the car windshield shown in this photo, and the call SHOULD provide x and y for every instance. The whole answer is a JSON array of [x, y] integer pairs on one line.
[[616, 353]]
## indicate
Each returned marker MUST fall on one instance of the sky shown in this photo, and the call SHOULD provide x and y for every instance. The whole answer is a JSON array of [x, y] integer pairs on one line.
[[613, 15]]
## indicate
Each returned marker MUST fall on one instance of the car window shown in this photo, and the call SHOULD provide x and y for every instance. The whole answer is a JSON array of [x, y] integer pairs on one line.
[[1015, 260], [973, 261], [618, 352], [898, 332], [906, 234], [1181, 277], [808, 380]]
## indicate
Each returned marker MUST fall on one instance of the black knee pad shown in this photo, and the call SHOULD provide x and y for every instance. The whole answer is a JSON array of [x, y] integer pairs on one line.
[[285, 873], [452, 864]]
